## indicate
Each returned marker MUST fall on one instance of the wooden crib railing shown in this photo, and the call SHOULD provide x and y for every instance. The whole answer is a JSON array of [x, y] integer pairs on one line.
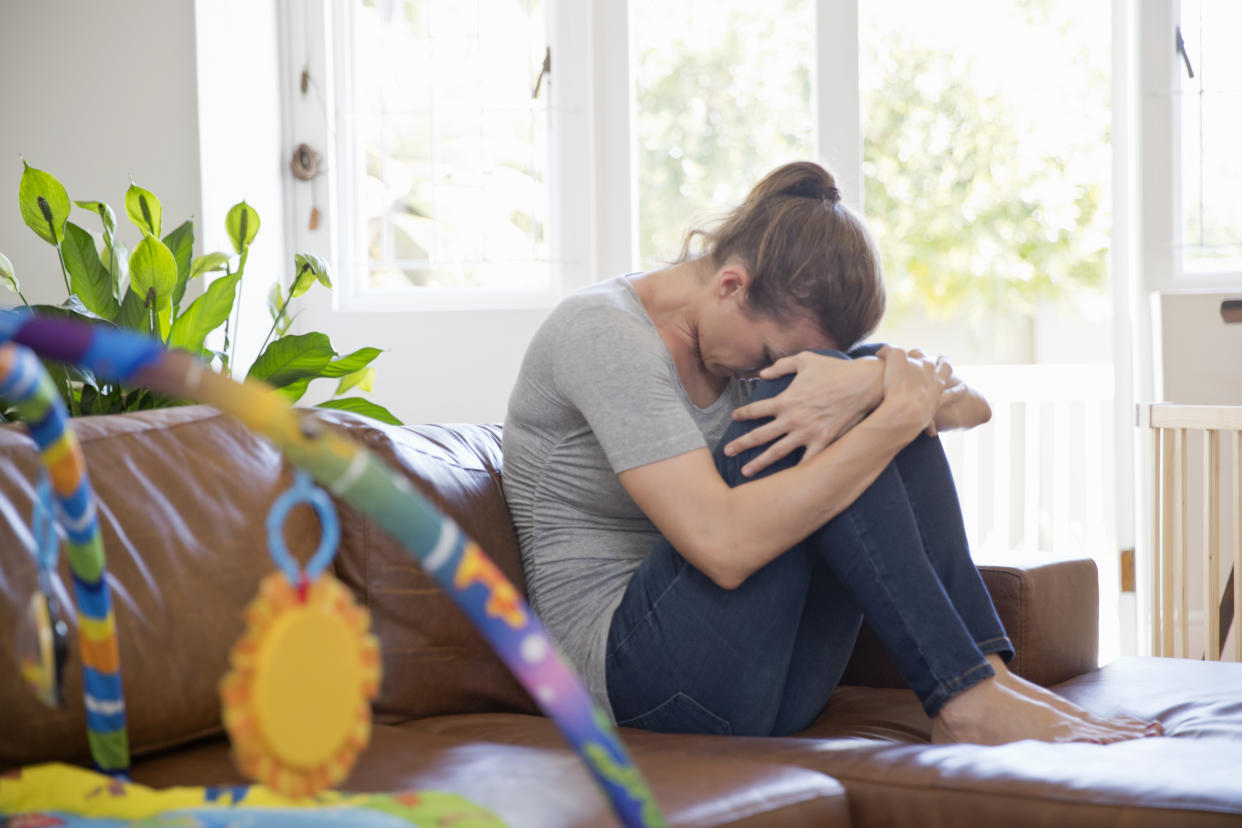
[[1220, 430]]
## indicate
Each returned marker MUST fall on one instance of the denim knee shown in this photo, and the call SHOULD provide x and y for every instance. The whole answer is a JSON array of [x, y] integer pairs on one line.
[[730, 468]]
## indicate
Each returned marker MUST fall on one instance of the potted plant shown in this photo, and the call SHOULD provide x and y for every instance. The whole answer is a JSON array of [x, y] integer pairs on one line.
[[144, 289]]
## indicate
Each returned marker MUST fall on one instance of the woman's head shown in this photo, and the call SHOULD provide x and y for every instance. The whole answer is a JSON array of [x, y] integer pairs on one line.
[[805, 251]]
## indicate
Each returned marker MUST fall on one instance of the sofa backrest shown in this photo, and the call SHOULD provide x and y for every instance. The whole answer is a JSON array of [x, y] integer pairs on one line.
[[183, 495], [434, 661]]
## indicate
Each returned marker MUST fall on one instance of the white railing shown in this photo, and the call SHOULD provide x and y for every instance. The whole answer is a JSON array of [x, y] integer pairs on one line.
[[1195, 525], [1037, 481]]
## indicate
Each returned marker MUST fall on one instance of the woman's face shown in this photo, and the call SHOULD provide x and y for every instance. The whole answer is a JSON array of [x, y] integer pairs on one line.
[[735, 342]]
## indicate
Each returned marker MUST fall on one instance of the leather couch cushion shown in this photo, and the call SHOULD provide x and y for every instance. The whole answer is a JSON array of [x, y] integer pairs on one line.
[[182, 495], [547, 786], [874, 743], [434, 660]]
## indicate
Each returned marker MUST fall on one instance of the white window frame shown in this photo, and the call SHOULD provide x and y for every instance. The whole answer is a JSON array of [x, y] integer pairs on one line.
[[592, 205], [1161, 171], [311, 30]]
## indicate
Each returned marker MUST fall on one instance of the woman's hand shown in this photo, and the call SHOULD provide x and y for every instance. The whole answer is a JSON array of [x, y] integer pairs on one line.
[[913, 388], [826, 398], [960, 406]]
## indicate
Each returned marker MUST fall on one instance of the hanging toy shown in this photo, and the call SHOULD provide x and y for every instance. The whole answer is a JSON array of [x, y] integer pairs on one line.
[[297, 697], [43, 633]]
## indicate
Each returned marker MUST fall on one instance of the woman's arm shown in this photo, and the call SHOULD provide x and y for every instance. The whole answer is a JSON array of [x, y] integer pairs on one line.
[[829, 396], [728, 533]]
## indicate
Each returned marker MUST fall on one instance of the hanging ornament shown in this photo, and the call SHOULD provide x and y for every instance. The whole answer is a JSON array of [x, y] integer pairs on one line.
[[43, 632], [297, 696], [305, 167]]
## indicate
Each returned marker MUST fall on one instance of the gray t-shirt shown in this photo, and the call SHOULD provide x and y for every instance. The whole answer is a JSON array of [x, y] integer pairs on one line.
[[597, 394]]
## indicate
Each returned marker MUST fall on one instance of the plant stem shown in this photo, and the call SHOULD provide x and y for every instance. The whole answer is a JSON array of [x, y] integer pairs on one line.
[[112, 268], [24, 302], [60, 257], [70, 402], [237, 304], [224, 351], [276, 322]]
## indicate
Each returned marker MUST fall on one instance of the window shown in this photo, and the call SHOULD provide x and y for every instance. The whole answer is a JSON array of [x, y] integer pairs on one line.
[[722, 95], [1210, 100], [449, 172], [433, 119]]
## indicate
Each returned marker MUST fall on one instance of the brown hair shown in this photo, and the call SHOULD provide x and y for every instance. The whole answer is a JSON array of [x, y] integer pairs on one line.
[[806, 253]]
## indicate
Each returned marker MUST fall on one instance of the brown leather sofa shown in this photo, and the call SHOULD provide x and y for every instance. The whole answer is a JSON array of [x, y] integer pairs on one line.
[[183, 496]]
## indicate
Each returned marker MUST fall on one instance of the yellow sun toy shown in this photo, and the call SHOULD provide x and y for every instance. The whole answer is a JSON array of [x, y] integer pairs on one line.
[[297, 696]]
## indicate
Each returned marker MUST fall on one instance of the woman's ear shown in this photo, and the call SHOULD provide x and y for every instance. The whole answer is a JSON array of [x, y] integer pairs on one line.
[[732, 280]]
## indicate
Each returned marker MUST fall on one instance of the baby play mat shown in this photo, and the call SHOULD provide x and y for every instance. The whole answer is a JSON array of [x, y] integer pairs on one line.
[[61, 795]]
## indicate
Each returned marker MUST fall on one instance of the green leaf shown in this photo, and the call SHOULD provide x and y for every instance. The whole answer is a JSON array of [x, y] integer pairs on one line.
[[8, 276], [363, 380], [72, 309], [207, 263], [115, 258], [350, 363], [309, 267], [275, 301], [144, 209], [88, 278], [294, 390], [181, 243], [360, 406], [44, 204], [105, 215], [302, 281], [153, 268], [292, 358], [164, 318], [205, 314], [133, 313], [242, 223]]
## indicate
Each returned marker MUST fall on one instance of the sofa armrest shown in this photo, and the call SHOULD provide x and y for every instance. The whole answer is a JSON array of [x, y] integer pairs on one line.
[[1052, 614], [1049, 610]]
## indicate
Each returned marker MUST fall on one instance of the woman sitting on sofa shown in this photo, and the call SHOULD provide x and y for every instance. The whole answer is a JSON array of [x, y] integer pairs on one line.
[[691, 603]]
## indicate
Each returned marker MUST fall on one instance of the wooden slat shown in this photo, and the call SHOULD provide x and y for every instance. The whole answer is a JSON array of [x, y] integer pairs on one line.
[[1166, 547], [1063, 469], [1211, 542], [1163, 415], [1031, 477], [1002, 416], [1180, 536], [1156, 548], [1236, 508]]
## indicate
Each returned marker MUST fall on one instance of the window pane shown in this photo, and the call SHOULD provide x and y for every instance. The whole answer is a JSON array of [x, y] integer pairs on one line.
[[986, 165], [723, 95], [1211, 104], [452, 144]]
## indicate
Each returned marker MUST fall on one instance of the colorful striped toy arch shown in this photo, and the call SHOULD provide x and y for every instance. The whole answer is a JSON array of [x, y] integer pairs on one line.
[[25, 383], [350, 472]]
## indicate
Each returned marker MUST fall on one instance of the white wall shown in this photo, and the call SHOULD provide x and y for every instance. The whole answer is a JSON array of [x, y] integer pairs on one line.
[[95, 93]]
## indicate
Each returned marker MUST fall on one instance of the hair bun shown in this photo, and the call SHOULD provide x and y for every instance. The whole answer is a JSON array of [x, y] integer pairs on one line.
[[809, 188]]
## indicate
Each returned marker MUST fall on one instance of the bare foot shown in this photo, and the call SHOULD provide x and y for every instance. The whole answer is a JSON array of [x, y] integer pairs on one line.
[[1130, 724], [993, 712]]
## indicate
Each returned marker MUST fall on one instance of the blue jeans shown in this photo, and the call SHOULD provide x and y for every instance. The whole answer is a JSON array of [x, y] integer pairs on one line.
[[687, 656]]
